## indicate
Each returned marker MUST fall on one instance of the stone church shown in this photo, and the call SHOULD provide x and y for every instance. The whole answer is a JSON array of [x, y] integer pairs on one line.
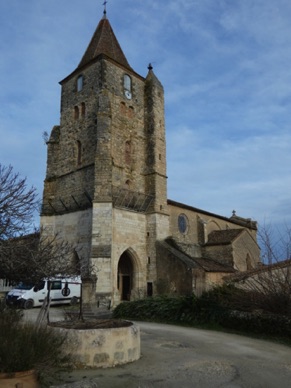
[[105, 189]]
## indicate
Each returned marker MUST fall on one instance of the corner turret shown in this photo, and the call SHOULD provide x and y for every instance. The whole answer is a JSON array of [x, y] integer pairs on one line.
[[155, 168]]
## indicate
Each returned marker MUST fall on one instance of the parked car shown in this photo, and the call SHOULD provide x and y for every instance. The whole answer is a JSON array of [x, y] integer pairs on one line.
[[62, 290]]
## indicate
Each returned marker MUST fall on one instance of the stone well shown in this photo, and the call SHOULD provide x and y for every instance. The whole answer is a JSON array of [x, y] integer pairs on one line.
[[98, 347]]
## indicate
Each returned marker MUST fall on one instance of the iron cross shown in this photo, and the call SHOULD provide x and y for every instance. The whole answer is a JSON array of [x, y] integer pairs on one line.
[[105, 2]]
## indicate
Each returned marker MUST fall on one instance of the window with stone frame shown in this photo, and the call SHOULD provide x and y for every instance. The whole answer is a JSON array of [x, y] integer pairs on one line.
[[182, 223]]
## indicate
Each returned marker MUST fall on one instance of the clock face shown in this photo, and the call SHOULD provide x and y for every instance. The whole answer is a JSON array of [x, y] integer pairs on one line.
[[127, 94], [182, 223]]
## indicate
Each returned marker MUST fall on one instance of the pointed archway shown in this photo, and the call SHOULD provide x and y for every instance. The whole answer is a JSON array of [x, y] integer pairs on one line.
[[125, 276]]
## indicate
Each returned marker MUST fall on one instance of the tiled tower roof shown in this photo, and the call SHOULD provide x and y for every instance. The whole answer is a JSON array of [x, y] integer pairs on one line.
[[104, 42]]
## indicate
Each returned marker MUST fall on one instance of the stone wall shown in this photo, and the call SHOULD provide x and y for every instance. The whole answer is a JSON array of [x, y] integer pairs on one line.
[[155, 160], [213, 279], [222, 253], [126, 153], [246, 253], [173, 276], [129, 233], [101, 348], [242, 254], [75, 228], [72, 146], [199, 224]]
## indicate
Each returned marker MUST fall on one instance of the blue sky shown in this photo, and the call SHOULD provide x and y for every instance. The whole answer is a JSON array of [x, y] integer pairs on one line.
[[226, 69]]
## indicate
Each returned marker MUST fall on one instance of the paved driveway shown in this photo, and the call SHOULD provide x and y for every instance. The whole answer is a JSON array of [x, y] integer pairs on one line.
[[174, 357], [178, 357]]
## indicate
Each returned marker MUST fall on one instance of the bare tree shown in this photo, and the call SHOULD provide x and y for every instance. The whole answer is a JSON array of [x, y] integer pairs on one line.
[[33, 257], [17, 204], [275, 244], [269, 286], [38, 255], [28, 257]]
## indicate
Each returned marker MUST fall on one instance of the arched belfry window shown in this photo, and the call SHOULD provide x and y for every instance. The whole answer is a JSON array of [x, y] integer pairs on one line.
[[79, 153], [80, 82], [127, 86], [127, 82]]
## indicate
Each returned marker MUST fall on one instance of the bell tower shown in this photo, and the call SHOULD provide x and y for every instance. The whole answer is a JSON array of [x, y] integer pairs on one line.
[[106, 187]]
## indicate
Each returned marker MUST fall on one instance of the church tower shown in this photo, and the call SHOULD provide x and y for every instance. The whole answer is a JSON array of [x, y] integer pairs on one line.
[[106, 187]]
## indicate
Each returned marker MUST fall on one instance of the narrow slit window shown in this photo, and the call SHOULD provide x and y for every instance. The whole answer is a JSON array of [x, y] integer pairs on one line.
[[128, 152], [76, 112], [79, 153], [83, 109], [80, 81]]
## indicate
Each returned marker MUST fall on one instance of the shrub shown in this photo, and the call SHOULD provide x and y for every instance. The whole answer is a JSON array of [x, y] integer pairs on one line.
[[222, 307], [160, 308], [24, 347], [9, 316]]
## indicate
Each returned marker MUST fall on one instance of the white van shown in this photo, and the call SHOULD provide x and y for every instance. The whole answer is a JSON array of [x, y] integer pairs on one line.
[[62, 290]]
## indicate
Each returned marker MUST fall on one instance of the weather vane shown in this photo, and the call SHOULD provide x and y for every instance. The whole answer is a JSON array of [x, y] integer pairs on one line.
[[105, 2]]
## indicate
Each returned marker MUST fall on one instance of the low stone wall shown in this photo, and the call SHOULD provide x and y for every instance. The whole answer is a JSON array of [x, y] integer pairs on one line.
[[102, 347]]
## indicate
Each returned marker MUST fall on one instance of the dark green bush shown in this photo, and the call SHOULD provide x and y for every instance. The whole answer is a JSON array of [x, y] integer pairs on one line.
[[160, 308], [266, 324], [222, 307], [9, 316], [273, 301]]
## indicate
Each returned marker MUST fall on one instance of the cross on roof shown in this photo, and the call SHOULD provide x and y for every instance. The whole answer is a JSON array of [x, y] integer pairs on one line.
[[105, 2]]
